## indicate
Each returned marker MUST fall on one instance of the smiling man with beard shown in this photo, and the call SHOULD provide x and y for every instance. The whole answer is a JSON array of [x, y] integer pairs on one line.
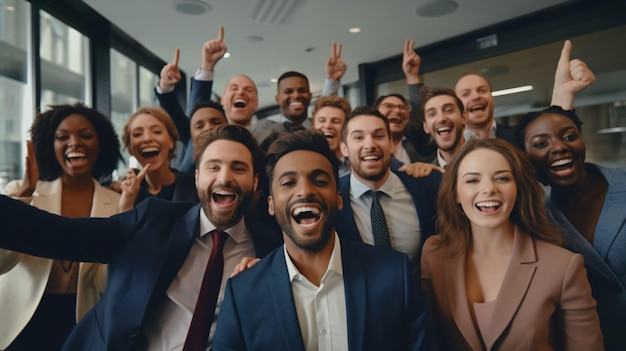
[[408, 204], [317, 291], [157, 253]]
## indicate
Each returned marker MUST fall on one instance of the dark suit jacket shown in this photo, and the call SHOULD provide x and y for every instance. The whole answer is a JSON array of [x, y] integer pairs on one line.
[[505, 133], [423, 191], [544, 302], [200, 91], [144, 248], [384, 306]]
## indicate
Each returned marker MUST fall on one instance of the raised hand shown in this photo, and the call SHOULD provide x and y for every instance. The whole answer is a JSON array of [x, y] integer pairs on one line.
[[571, 76], [245, 263], [411, 62], [170, 74], [31, 173], [130, 188], [335, 67], [213, 51]]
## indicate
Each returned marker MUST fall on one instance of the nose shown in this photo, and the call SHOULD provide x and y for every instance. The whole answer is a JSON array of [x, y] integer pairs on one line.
[[305, 188], [225, 175], [558, 146], [73, 140], [488, 187]]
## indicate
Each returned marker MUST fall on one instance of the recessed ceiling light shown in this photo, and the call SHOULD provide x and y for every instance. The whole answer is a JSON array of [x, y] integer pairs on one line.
[[437, 8], [227, 54], [512, 90], [354, 30], [10, 8], [192, 7], [273, 80]]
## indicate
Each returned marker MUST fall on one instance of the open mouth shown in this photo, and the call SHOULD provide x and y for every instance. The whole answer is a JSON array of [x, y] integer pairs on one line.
[[562, 166], [223, 197], [370, 158], [444, 131], [306, 216], [76, 158], [488, 206], [296, 104], [329, 135], [150, 152], [395, 120], [479, 107], [240, 103]]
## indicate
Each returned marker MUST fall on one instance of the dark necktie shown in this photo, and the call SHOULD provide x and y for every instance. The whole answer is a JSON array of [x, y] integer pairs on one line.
[[379, 224], [290, 127], [202, 319]]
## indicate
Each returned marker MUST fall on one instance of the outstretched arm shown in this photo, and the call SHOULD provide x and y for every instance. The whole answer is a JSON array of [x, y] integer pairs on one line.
[[335, 69], [170, 76]]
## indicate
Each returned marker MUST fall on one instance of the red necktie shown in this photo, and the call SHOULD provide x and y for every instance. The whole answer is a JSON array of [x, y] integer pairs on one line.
[[202, 319]]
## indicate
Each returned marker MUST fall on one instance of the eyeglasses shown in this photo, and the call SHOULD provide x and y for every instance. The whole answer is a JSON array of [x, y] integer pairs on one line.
[[390, 106]]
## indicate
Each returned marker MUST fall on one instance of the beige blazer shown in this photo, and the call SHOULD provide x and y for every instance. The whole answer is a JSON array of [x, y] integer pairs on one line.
[[544, 302], [23, 278]]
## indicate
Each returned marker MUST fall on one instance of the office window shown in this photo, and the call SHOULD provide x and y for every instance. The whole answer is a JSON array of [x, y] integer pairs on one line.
[[147, 82], [64, 58], [15, 85], [123, 96]]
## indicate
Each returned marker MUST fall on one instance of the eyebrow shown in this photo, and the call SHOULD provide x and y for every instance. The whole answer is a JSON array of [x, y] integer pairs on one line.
[[566, 128], [478, 173]]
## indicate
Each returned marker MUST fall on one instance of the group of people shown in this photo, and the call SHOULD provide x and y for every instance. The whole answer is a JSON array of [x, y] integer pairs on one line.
[[346, 230]]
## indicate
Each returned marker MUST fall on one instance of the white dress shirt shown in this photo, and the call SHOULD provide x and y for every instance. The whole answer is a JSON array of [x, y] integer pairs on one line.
[[399, 209], [470, 135], [321, 310], [167, 327], [400, 153]]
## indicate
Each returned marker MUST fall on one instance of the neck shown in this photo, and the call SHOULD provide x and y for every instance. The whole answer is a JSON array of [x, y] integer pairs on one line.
[[313, 265], [481, 130], [448, 154], [395, 140], [590, 183], [158, 178], [78, 183], [492, 240], [296, 120], [338, 154], [373, 184]]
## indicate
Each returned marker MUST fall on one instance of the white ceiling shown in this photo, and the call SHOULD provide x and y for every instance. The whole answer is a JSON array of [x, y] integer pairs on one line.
[[385, 25]]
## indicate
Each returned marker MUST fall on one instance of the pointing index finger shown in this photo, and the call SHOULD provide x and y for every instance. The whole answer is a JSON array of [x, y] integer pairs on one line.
[[176, 57], [220, 36], [338, 51]]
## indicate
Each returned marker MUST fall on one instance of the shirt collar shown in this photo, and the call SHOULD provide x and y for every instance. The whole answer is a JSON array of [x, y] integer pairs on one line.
[[334, 264], [238, 232], [470, 135], [357, 188], [442, 163]]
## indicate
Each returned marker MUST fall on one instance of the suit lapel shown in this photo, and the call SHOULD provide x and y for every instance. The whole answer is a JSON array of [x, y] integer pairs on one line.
[[613, 213], [102, 205], [514, 286], [345, 224], [48, 196], [355, 286], [284, 305], [454, 276]]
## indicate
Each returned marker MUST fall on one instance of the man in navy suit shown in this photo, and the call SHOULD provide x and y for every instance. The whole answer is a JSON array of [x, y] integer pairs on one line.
[[157, 253], [317, 291], [408, 204]]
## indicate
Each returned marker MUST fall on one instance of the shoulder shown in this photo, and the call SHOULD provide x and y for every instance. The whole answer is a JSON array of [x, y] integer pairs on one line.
[[252, 277], [552, 252], [110, 194], [432, 246], [268, 123], [370, 254]]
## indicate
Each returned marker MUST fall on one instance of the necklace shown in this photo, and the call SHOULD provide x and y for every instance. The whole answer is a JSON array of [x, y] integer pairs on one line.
[[67, 266]]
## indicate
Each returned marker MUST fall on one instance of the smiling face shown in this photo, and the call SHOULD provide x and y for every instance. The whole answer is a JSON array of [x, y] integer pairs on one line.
[[397, 112], [305, 200], [150, 142], [225, 180], [444, 122], [475, 93], [368, 148], [240, 100], [486, 189], [329, 120], [204, 119], [556, 148], [294, 97], [76, 146]]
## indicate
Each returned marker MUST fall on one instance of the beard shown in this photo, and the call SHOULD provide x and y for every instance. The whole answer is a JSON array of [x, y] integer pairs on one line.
[[314, 244], [223, 219]]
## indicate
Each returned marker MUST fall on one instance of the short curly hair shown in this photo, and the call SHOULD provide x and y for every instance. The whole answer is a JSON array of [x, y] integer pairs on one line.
[[44, 127]]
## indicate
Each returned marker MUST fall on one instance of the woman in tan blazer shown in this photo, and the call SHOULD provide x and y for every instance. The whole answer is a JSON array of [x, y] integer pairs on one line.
[[496, 277], [41, 299]]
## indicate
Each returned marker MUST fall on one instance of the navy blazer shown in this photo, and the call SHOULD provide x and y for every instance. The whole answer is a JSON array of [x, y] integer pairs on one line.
[[384, 305], [423, 191], [200, 91], [144, 248]]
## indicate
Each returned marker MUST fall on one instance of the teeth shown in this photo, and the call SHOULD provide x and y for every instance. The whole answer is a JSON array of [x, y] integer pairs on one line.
[[295, 103], [75, 154], [224, 193], [562, 162], [240, 103], [488, 204], [329, 135], [370, 158], [150, 149], [477, 107], [444, 129], [313, 210]]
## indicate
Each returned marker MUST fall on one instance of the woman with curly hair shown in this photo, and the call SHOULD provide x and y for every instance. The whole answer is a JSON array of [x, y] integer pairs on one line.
[[150, 136], [41, 299], [496, 277]]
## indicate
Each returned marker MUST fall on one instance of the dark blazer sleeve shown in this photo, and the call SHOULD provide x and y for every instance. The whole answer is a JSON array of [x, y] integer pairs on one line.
[[200, 91], [229, 332], [505, 133], [170, 103]]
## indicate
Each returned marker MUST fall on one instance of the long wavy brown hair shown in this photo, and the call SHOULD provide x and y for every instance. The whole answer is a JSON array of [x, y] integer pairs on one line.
[[529, 213]]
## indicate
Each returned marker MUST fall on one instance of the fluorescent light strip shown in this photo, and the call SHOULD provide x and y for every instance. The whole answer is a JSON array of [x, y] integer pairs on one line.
[[512, 90]]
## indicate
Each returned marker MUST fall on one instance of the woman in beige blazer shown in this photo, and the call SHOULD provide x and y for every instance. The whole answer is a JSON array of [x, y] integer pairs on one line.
[[496, 277], [41, 299]]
